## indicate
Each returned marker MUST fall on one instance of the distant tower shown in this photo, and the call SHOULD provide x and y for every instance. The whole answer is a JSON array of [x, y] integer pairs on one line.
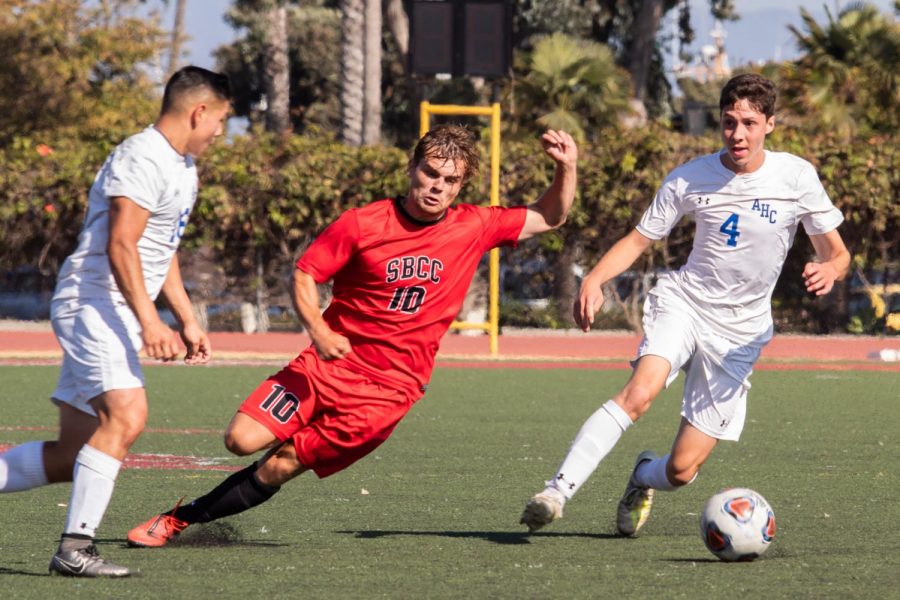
[[713, 64], [720, 66]]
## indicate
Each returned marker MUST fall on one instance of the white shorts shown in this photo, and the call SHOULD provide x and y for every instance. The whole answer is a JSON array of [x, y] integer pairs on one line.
[[717, 369], [100, 342]]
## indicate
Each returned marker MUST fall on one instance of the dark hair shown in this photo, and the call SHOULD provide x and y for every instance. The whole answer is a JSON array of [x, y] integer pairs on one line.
[[190, 79], [758, 91], [449, 142]]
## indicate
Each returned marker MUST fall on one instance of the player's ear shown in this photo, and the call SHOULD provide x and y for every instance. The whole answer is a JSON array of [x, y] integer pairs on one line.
[[198, 113], [770, 124]]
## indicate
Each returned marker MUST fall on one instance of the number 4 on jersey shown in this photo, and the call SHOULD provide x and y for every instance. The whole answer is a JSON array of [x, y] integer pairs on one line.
[[730, 228]]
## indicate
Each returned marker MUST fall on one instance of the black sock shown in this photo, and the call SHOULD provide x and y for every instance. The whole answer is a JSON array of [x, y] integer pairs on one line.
[[74, 541], [236, 494]]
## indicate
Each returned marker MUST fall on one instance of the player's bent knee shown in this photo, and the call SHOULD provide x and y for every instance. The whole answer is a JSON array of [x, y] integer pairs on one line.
[[681, 475], [238, 445], [245, 436], [127, 426], [636, 400]]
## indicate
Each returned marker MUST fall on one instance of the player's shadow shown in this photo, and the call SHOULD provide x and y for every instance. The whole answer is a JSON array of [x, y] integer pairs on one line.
[[692, 560], [8, 571], [213, 535], [495, 537]]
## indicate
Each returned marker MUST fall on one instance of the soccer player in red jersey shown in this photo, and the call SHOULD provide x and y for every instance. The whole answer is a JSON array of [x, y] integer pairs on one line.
[[401, 268]]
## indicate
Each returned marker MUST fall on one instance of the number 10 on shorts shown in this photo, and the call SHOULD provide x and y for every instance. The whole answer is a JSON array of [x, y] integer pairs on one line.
[[280, 404]]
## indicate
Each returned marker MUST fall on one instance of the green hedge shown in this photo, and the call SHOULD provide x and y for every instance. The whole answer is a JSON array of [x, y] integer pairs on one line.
[[262, 199]]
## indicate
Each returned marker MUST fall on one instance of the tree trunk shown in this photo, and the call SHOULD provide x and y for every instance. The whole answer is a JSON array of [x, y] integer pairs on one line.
[[352, 71], [398, 25], [276, 70], [177, 38], [566, 288], [371, 133], [643, 44], [397, 22]]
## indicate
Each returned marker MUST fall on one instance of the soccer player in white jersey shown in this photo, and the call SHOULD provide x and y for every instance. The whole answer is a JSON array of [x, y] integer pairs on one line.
[[103, 312], [712, 317]]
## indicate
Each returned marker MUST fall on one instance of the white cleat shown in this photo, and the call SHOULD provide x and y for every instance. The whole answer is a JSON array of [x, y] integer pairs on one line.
[[543, 509]]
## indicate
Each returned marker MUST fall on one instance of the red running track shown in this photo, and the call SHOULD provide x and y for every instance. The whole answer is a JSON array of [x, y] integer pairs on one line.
[[23, 346]]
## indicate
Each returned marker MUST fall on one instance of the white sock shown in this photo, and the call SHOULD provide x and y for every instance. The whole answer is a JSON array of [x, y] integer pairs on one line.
[[93, 481], [652, 474], [22, 468], [594, 441]]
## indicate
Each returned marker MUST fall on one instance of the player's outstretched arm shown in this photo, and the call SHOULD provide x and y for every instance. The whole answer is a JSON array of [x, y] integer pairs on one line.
[[834, 262], [196, 340], [552, 208], [329, 345], [612, 264], [127, 222]]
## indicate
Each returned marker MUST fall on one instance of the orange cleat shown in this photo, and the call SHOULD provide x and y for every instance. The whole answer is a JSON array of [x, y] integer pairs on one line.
[[156, 532]]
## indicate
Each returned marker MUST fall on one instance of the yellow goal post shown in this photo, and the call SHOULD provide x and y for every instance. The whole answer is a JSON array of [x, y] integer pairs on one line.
[[426, 109]]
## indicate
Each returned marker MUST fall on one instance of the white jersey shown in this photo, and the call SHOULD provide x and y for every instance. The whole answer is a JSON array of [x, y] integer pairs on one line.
[[148, 171], [745, 225]]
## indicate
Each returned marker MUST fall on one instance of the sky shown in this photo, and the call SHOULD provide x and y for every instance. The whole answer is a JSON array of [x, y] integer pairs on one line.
[[761, 34]]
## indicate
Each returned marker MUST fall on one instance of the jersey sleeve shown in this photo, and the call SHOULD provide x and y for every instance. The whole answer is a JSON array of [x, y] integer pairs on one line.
[[817, 213], [502, 226], [134, 174], [332, 249], [664, 212]]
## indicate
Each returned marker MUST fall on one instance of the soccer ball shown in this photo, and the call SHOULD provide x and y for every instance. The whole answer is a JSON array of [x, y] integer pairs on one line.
[[737, 524]]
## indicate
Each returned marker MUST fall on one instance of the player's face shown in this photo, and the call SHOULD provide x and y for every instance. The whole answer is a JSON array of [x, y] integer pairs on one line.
[[433, 186], [209, 123], [744, 131]]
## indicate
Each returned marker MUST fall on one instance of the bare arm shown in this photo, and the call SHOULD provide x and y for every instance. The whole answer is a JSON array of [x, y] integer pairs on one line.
[[195, 339], [621, 256], [329, 345], [834, 262], [127, 222], [552, 208]]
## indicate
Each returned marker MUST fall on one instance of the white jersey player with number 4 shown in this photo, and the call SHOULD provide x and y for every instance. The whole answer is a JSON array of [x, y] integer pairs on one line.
[[712, 317], [745, 225]]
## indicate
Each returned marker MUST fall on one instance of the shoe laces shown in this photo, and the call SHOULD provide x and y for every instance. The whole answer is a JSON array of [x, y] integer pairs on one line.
[[170, 521]]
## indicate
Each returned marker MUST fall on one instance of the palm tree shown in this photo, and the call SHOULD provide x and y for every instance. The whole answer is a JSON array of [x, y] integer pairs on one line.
[[360, 71], [352, 70], [177, 37], [276, 68], [371, 133], [573, 85], [844, 79]]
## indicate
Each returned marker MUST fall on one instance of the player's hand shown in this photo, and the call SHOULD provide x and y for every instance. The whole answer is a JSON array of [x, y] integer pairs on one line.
[[560, 146], [197, 343], [819, 278], [160, 341], [331, 345], [589, 301]]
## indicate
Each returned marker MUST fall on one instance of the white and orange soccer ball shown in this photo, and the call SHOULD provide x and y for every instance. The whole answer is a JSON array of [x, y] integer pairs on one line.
[[737, 524]]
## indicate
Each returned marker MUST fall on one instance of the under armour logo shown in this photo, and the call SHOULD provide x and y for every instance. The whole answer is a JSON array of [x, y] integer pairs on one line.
[[83, 525], [562, 478]]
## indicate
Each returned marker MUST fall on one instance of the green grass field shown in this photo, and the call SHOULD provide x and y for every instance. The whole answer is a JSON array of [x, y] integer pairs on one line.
[[434, 512]]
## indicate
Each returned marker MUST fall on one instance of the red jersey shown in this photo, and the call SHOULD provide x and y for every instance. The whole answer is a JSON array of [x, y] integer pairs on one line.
[[399, 282]]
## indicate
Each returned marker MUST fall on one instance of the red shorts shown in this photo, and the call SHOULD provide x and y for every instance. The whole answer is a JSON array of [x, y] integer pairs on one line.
[[335, 416]]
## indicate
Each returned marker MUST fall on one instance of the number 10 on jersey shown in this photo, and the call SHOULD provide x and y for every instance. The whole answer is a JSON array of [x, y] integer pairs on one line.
[[407, 299]]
